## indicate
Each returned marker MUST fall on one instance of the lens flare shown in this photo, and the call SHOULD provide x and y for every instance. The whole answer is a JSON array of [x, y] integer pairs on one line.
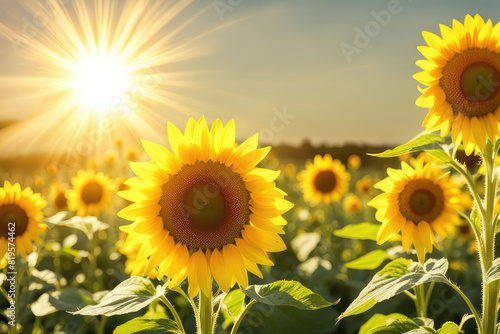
[[96, 70], [99, 82]]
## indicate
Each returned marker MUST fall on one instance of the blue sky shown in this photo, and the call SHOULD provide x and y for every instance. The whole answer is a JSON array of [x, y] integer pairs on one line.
[[286, 55]]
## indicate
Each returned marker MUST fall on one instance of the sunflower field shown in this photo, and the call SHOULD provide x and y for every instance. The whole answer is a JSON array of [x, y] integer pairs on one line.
[[117, 222]]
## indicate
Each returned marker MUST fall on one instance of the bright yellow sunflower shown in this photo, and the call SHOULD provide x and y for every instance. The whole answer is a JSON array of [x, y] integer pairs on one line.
[[354, 161], [462, 72], [23, 208], [422, 159], [132, 266], [204, 211], [352, 204], [92, 193], [58, 197], [418, 202], [364, 186], [52, 170], [323, 180], [290, 170]]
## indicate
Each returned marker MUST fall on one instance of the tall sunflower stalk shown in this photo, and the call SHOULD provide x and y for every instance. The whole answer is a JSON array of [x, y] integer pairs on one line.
[[462, 75], [486, 239], [462, 72]]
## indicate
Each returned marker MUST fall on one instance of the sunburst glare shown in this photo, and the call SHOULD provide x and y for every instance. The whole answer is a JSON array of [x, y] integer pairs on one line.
[[99, 69], [100, 80]]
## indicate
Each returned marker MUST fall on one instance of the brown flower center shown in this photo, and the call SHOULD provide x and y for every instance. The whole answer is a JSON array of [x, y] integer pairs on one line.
[[60, 201], [205, 205], [471, 82], [325, 181], [421, 200], [11, 213], [91, 193]]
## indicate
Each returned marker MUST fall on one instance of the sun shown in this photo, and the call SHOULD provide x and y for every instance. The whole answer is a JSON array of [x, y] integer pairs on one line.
[[99, 67], [100, 82]]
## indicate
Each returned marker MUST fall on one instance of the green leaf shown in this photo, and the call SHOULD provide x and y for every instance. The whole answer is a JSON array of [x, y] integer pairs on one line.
[[396, 268], [398, 326], [289, 293], [397, 276], [70, 299], [368, 261], [129, 296], [425, 323], [450, 328], [379, 319], [144, 325], [419, 142], [55, 219], [493, 273], [447, 159], [363, 231], [89, 225], [475, 218], [304, 244], [41, 279], [234, 302], [266, 319], [441, 155]]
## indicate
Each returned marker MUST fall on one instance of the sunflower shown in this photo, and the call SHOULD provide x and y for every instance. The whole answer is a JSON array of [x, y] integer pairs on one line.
[[419, 202], [121, 186], [204, 211], [109, 157], [354, 161], [364, 186], [131, 154], [352, 204], [24, 209], [290, 170], [52, 170], [39, 181], [91, 193], [58, 197], [324, 180], [132, 266], [462, 72], [422, 159]]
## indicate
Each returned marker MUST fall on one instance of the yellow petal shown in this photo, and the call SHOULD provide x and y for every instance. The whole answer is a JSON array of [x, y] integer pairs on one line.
[[234, 260]]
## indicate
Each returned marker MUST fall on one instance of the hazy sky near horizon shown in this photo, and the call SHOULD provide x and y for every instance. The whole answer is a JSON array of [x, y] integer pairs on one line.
[[270, 56]]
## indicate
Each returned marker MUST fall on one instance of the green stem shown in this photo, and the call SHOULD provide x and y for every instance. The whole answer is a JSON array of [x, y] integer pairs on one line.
[[240, 317], [102, 324], [190, 300], [218, 301], [206, 314], [409, 294], [428, 295], [36, 326], [4, 293], [420, 301], [464, 320], [490, 291], [174, 313], [471, 307], [477, 199], [92, 263]]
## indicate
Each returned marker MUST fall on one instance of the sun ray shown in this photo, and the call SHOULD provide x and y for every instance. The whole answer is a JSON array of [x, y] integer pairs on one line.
[[97, 67]]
